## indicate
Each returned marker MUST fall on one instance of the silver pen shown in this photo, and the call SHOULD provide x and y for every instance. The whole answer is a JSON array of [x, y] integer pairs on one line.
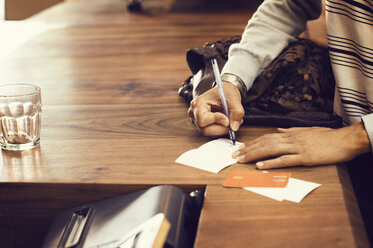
[[222, 97]]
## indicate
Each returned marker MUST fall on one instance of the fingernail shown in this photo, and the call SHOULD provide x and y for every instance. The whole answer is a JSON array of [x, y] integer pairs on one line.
[[236, 154], [260, 165], [241, 146], [240, 159], [235, 125]]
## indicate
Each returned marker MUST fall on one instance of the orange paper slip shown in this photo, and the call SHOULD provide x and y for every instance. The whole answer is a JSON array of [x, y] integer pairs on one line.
[[256, 179]]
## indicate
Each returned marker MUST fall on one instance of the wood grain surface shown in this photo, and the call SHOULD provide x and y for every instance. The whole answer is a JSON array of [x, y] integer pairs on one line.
[[113, 123]]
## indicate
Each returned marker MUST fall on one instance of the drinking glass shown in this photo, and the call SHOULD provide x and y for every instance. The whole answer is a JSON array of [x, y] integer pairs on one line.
[[20, 115]]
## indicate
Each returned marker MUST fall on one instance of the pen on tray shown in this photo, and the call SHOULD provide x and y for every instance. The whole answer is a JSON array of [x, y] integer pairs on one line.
[[222, 97]]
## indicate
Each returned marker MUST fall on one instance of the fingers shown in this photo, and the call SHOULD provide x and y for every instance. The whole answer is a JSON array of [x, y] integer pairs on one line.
[[208, 123], [271, 150], [257, 152], [299, 146], [236, 115], [235, 106], [214, 130], [268, 141], [297, 129], [201, 115], [211, 123], [292, 129], [204, 117], [279, 162]]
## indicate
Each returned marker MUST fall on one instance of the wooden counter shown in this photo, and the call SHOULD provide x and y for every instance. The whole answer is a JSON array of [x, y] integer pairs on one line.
[[113, 123]]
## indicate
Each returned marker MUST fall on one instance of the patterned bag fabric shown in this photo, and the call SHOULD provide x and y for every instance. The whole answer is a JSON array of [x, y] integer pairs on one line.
[[295, 89]]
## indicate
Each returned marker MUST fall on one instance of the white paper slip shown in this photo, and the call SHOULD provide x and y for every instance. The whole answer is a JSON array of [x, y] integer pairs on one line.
[[212, 156], [295, 191], [274, 193]]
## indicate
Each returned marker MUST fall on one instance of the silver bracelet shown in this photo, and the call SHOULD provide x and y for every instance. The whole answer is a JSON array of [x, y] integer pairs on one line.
[[233, 79]]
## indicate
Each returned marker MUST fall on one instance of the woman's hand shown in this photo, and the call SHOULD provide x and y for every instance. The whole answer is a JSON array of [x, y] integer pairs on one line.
[[305, 146], [205, 111]]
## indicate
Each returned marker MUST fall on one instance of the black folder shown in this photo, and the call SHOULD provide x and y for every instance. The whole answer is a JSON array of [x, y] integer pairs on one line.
[[110, 223]]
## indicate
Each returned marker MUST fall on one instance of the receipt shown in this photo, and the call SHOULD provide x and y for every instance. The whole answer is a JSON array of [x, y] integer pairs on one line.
[[212, 156]]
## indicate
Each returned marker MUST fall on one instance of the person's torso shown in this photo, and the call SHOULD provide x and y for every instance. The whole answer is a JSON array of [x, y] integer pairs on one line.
[[350, 42]]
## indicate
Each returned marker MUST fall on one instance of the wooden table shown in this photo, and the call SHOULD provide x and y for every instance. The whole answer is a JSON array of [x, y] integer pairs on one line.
[[113, 123]]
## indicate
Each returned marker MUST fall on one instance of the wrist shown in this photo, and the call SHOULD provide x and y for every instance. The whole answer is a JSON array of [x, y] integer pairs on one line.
[[361, 140], [237, 81], [232, 91]]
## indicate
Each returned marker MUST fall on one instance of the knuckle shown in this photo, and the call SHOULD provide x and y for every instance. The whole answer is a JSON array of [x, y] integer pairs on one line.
[[271, 139], [285, 161], [199, 119], [193, 103], [244, 158], [309, 157], [268, 148], [286, 135], [238, 114]]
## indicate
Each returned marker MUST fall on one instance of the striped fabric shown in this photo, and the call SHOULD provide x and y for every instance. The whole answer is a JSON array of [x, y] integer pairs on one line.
[[350, 41]]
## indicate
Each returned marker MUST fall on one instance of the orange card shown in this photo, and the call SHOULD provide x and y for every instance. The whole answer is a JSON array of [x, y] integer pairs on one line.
[[256, 179]]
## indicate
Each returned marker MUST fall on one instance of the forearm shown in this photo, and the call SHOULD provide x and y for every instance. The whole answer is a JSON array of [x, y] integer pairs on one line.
[[273, 26]]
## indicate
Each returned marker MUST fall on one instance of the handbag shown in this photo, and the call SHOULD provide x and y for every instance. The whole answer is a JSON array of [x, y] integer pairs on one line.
[[295, 89]]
